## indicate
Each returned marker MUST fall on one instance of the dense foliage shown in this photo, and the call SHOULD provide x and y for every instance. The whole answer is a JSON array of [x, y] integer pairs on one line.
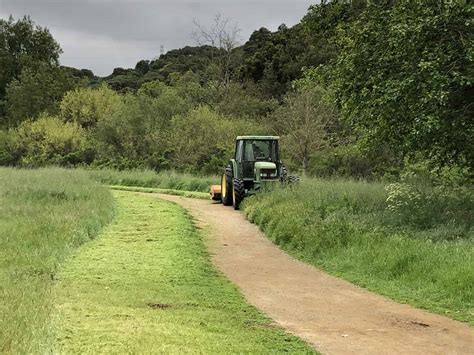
[[357, 88], [23, 45], [404, 77], [31, 80]]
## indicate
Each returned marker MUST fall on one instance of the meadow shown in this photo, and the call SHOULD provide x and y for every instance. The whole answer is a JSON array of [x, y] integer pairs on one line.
[[86, 270], [44, 215], [412, 244]]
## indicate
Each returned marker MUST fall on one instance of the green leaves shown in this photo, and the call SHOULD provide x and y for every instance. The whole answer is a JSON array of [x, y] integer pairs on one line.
[[49, 140], [86, 106], [24, 45], [404, 76], [35, 91]]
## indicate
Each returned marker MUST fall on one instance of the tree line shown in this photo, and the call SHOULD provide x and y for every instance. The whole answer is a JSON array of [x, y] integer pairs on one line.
[[357, 88]]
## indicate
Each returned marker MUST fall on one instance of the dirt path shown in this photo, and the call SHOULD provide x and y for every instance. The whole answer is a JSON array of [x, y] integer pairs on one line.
[[333, 315]]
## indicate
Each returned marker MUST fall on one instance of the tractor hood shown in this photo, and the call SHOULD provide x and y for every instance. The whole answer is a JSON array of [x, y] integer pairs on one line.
[[259, 165], [265, 170]]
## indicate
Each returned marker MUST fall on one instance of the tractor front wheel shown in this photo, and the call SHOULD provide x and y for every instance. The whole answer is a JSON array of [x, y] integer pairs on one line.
[[283, 175], [292, 179], [238, 193], [226, 187]]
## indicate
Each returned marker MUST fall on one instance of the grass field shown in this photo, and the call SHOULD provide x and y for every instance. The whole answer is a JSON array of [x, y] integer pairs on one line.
[[147, 286], [413, 247], [148, 178], [44, 214]]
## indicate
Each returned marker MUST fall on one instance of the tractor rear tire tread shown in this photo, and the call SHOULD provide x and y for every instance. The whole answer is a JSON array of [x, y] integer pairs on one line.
[[227, 199], [238, 192]]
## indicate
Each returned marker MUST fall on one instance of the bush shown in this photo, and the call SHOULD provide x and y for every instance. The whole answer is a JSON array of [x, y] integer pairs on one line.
[[343, 161], [87, 106], [428, 197], [50, 141], [8, 149]]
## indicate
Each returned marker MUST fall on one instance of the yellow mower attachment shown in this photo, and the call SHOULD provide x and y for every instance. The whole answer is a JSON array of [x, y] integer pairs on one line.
[[215, 192]]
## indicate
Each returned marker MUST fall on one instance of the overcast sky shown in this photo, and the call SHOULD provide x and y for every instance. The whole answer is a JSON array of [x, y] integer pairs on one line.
[[103, 34]]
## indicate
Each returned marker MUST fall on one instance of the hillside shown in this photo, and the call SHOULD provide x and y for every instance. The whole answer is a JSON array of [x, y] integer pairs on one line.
[[350, 93]]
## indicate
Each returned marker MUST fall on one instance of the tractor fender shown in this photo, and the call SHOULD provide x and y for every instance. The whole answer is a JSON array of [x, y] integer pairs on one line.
[[235, 168]]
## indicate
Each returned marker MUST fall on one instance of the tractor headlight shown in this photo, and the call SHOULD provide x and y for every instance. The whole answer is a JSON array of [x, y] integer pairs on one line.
[[269, 174]]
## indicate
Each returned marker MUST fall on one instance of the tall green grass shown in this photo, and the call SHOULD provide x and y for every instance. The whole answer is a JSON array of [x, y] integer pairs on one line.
[[43, 215], [395, 240], [149, 178]]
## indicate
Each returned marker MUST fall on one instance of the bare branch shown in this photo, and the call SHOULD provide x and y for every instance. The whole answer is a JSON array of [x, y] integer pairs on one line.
[[222, 34]]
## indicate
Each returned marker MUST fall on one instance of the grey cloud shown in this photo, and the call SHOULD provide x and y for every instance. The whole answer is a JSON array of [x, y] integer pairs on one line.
[[103, 34]]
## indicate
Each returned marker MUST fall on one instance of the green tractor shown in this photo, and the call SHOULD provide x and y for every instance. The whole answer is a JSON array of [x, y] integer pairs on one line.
[[256, 163]]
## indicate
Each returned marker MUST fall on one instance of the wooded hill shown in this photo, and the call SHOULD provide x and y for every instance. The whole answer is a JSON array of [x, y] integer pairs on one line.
[[356, 88]]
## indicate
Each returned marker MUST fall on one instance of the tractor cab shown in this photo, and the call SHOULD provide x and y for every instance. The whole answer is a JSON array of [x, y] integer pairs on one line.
[[257, 158]]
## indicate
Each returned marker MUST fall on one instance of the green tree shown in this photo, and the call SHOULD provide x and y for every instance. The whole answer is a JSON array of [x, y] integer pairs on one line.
[[87, 106], [23, 44], [203, 140], [306, 122], [137, 134], [244, 100], [36, 90], [196, 59], [191, 88], [404, 77], [142, 67], [322, 24], [275, 59], [165, 100], [124, 80]]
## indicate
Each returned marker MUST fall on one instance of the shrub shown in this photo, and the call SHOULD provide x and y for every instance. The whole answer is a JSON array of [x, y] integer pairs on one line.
[[403, 200], [87, 106], [8, 149], [50, 141]]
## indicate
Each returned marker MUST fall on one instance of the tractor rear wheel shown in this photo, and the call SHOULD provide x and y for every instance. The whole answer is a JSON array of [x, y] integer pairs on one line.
[[238, 193], [226, 187]]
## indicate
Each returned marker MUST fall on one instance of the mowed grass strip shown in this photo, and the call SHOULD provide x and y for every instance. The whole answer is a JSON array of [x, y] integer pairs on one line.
[[147, 286], [44, 215]]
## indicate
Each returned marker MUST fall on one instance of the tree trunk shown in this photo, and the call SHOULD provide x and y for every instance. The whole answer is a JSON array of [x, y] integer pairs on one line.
[[305, 165]]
